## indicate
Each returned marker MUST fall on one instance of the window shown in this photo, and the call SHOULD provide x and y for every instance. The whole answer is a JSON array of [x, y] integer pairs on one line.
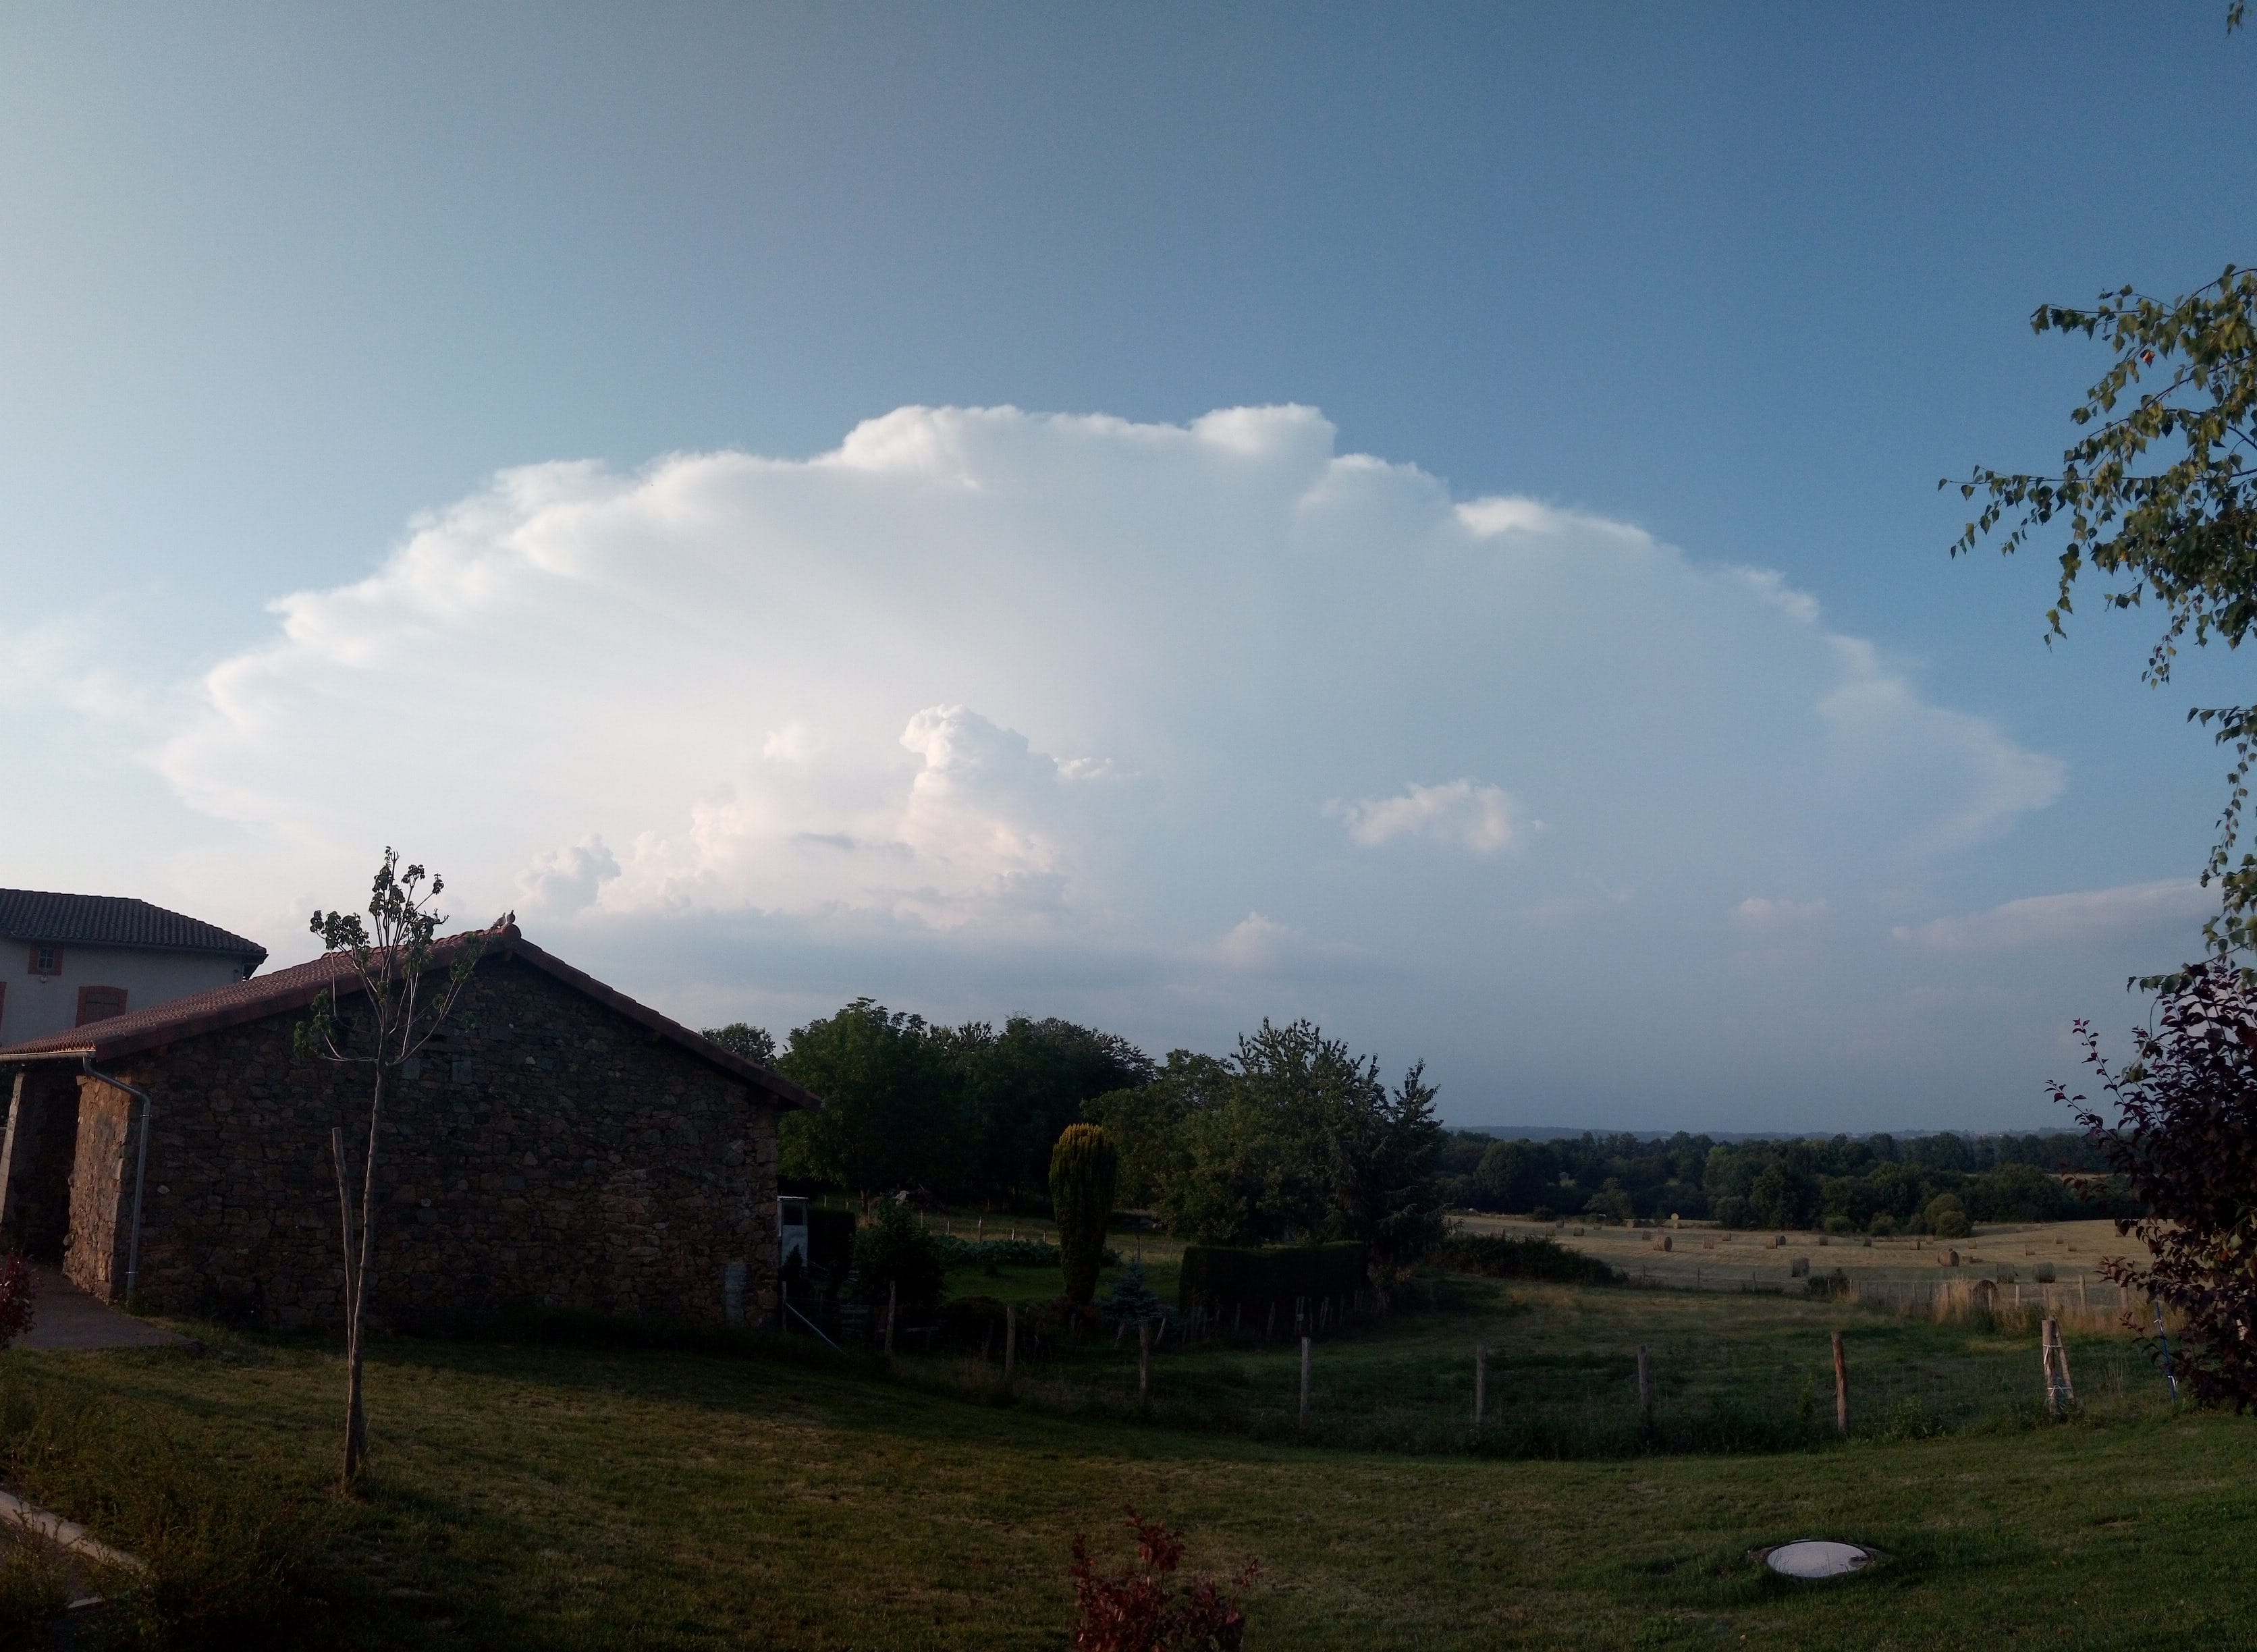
[[100, 1003], [46, 958]]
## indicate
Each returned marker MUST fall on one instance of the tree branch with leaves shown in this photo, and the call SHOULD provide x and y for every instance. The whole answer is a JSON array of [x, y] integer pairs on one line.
[[2160, 498]]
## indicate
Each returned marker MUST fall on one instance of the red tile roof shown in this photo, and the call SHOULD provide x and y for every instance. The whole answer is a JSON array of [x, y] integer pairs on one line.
[[116, 921], [286, 991]]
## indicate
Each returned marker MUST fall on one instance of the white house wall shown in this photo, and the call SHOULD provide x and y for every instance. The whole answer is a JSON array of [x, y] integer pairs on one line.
[[33, 1005]]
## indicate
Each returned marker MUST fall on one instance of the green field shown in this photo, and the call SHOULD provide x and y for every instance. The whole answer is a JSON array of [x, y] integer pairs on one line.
[[535, 1497]]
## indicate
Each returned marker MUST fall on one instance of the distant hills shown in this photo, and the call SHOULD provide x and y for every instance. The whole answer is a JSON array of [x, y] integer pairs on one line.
[[1570, 1132]]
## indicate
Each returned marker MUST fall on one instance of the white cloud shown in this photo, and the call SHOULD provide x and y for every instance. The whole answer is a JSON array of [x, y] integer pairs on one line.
[[985, 696], [1480, 818], [1760, 914], [567, 879], [2169, 906]]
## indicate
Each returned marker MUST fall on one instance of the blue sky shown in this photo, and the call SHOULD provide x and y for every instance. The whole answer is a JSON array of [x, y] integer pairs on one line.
[[1702, 292]]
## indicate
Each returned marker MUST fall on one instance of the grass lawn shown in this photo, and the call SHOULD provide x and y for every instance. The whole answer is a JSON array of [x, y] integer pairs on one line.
[[542, 1497], [1731, 1370]]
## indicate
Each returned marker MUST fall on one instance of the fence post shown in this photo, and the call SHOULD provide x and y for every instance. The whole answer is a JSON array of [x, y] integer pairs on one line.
[[1143, 1365], [2163, 1337], [1645, 1388], [2060, 1363], [1480, 1385], [1305, 1382], [1010, 1341], [2045, 1355], [1841, 1385], [892, 1299]]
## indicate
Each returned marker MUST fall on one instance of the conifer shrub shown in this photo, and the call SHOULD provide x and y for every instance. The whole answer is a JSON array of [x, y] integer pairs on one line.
[[1084, 1167]]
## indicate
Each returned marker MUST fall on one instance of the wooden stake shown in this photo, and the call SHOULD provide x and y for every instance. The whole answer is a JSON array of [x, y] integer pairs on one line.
[[1305, 1382], [1480, 1385], [1010, 1341], [1841, 1385], [2045, 1357], [893, 1300], [1143, 1365], [1645, 1388]]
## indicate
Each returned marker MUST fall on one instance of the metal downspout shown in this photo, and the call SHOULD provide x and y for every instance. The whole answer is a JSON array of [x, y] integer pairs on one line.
[[141, 1172]]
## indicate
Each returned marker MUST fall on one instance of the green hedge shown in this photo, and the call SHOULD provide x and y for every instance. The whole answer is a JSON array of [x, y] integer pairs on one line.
[[1498, 1256], [1223, 1276]]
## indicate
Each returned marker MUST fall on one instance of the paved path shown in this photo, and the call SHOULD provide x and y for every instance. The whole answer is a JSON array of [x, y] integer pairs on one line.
[[65, 1316]]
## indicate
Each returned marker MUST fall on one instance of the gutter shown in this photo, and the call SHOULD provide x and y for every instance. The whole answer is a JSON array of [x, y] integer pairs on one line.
[[140, 1169]]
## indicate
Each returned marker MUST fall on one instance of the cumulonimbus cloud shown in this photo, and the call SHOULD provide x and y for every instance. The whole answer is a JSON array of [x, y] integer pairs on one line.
[[1049, 685]]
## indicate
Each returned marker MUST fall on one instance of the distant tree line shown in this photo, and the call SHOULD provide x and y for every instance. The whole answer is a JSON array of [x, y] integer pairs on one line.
[[1292, 1137], [1867, 1184]]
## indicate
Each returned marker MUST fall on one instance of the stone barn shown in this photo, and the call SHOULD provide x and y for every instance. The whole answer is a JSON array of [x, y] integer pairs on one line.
[[560, 1145]]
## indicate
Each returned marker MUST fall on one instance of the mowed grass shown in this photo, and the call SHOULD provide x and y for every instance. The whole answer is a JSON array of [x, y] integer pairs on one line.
[[550, 1498]]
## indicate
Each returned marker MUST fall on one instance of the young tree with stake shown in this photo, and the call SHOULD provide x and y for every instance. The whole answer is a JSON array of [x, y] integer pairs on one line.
[[383, 1025]]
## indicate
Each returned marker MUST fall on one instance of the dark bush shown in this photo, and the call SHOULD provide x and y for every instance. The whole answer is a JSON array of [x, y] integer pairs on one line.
[[18, 1288], [1219, 1277], [895, 1250], [830, 1237], [971, 1320], [1502, 1256]]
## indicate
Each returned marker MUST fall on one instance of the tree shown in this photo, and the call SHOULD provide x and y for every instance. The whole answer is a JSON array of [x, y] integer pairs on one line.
[[386, 1025], [2160, 497], [1303, 1140], [741, 1038], [1256, 1168], [1025, 1085], [892, 1113], [2186, 1143], [1084, 1167], [1385, 1146], [1146, 1122]]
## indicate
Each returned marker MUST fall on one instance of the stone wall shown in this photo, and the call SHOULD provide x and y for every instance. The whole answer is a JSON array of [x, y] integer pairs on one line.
[[94, 1256], [548, 1152]]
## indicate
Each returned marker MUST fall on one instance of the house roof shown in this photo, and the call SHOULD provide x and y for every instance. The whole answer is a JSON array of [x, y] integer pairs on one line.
[[284, 991], [116, 921]]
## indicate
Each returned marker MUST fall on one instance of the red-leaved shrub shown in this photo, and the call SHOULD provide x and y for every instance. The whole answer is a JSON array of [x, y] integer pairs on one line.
[[2184, 1140], [17, 1289], [1140, 1608]]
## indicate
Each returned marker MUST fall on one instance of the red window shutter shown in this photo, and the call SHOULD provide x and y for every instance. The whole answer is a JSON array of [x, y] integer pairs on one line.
[[100, 1003]]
